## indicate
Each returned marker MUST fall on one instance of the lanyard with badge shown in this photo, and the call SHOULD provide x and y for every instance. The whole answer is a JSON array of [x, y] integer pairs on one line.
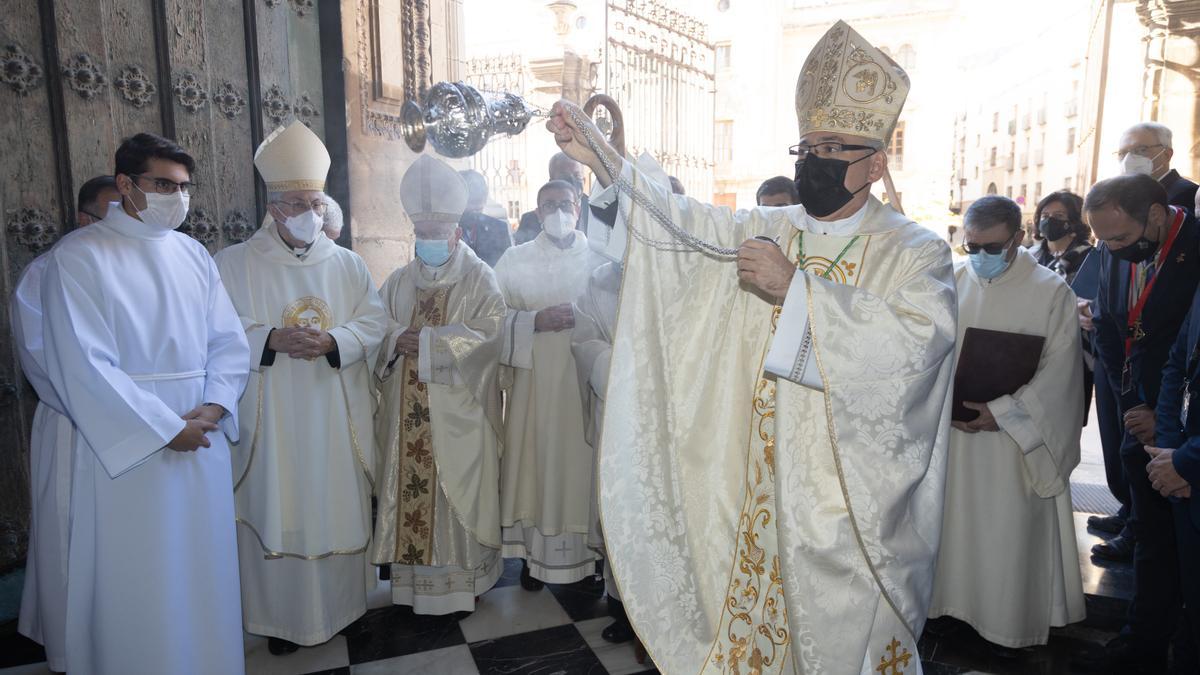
[[1189, 377], [1134, 331]]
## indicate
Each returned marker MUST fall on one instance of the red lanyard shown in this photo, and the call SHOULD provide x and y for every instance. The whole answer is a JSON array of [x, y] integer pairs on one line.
[[1134, 325]]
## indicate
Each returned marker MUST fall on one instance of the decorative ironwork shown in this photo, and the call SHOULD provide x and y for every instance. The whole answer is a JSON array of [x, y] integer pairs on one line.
[[85, 76], [135, 87], [190, 92], [33, 228], [21, 73], [503, 161], [200, 226], [305, 109], [237, 227], [303, 7], [275, 104], [381, 113], [229, 100]]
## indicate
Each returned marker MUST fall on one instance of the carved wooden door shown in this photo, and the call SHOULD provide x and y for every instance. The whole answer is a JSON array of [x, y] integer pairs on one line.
[[77, 76]]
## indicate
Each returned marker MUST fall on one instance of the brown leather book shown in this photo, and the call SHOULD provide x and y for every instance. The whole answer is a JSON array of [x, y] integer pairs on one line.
[[992, 363]]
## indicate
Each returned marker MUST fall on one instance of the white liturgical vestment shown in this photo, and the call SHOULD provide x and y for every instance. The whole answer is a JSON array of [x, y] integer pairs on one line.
[[138, 332], [1023, 577], [302, 477], [548, 468], [784, 521]]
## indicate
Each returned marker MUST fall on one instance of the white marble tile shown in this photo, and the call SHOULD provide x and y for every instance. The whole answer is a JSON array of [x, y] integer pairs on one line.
[[455, 660], [259, 661], [616, 659], [27, 669], [512, 610]]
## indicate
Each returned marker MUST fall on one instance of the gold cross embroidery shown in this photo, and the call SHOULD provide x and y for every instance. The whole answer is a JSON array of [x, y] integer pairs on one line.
[[890, 664]]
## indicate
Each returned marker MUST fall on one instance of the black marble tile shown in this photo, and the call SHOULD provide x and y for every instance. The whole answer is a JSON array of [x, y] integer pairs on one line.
[[344, 670], [579, 602], [512, 573], [935, 668], [16, 649], [553, 650], [395, 631], [953, 644]]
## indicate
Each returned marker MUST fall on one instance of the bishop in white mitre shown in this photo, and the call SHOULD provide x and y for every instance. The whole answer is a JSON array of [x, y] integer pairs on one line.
[[773, 450], [1009, 470], [548, 468], [302, 478], [439, 420], [143, 349]]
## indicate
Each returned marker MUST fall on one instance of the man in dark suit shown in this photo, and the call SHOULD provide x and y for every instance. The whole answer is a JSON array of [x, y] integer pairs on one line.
[[1149, 270], [1175, 468], [489, 237], [1146, 148], [561, 168]]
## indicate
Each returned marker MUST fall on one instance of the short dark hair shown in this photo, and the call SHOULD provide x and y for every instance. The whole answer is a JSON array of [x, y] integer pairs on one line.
[[991, 210], [776, 186], [557, 185], [1073, 203], [137, 150], [1133, 193], [90, 191]]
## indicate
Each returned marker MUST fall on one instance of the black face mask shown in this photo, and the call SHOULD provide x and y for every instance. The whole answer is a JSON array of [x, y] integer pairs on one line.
[[822, 184], [1137, 252], [1053, 229]]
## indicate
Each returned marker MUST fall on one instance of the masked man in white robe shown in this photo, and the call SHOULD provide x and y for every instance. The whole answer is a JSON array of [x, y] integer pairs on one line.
[[1009, 470], [548, 468], [773, 451], [303, 467], [439, 421], [143, 349], [44, 597]]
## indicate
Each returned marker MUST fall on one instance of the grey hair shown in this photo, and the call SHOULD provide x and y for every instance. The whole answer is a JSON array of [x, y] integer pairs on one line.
[[991, 210], [333, 218], [1162, 133]]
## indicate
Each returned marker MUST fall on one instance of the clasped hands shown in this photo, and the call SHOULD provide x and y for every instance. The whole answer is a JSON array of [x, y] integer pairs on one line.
[[985, 422], [198, 422], [1163, 476], [301, 343]]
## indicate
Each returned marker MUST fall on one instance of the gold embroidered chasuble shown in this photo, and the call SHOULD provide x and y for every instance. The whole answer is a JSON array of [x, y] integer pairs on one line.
[[770, 527]]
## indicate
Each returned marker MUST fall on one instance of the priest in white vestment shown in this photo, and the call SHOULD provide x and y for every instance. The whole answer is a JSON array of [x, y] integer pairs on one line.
[[144, 351], [44, 597], [548, 468], [439, 422], [302, 471], [1008, 565], [773, 450]]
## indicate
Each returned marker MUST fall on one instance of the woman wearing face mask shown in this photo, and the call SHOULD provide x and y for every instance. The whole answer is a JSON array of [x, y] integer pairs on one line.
[[1063, 240]]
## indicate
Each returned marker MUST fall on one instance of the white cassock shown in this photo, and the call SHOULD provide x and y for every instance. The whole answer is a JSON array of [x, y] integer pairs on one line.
[[44, 599], [591, 345], [786, 523], [139, 331], [302, 469], [1008, 563], [547, 470], [439, 429]]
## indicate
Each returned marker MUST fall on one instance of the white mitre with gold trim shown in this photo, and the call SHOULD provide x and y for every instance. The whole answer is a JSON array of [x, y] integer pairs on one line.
[[432, 191], [292, 158], [847, 86]]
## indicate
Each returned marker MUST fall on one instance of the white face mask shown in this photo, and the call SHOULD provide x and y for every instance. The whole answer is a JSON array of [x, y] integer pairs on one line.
[[305, 227], [164, 212], [1135, 163], [558, 224]]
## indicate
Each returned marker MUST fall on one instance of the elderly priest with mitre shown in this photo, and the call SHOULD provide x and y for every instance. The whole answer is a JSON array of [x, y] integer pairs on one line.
[[787, 411]]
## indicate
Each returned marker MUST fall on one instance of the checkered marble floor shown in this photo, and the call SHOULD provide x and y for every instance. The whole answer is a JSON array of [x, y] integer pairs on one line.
[[513, 631]]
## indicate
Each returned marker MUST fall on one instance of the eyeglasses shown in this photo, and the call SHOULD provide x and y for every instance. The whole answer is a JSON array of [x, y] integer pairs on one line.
[[1142, 150], [166, 187], [551, 207], [317, 206], [991, 249], [823, 150]]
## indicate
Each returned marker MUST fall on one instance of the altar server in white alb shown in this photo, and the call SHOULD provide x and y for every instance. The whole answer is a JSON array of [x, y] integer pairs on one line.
[[44, 597], [144, 352], [439, 425], [785, 409], [302, 477], [548, 468], [1009, 471]]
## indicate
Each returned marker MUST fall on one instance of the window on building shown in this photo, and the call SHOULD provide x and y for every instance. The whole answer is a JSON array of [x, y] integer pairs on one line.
[[514, 209], [1024, 194], [895, 148], [992, 189], [1037, 191], [995, 122], [1068, 183], [992, 161], [907, 57], [1008, 192], [723, 55], [1071, 141], [724, 140]]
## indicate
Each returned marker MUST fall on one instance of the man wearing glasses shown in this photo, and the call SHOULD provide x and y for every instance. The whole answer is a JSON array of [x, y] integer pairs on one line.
[[303, 467], [1146, 148], [144, 351], [785, 412]]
